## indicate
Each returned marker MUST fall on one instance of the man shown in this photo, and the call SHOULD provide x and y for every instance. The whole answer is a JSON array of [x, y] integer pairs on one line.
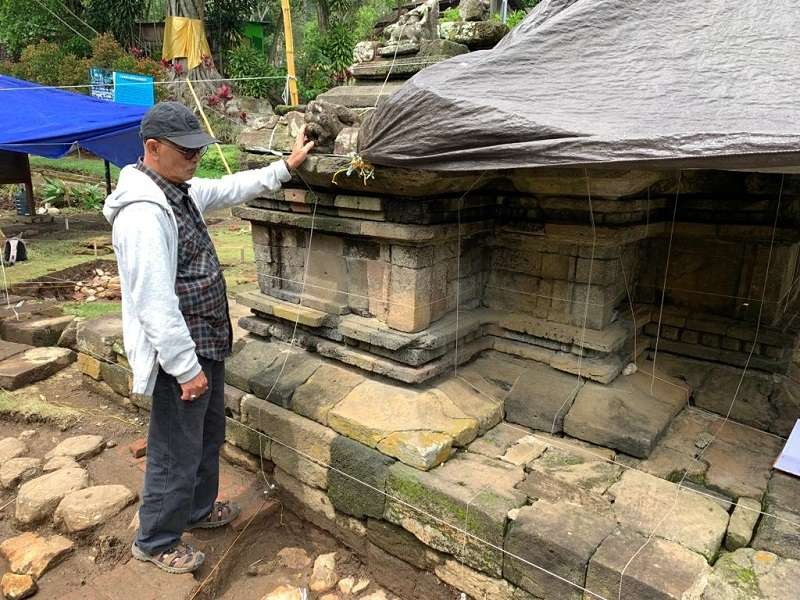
[[176, 325]]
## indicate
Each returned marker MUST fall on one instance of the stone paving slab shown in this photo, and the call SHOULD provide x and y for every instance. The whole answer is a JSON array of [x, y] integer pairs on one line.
[[96, 337], [496, 442], [662, 570], [35, 332], [374, 411], [278, 381], [33, 365], [251, 356], [9, 349], [541, 397], [470, 492], [692, 520], [559, 538], [749, 574], [626, 415]]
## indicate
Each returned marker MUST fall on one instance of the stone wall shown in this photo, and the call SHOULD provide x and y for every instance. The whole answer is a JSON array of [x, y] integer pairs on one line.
[[419, 350]]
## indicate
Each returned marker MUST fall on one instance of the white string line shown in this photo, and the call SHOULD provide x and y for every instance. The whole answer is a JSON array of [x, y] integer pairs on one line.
[[586, 307], [565, 445], [666, 273], [458, 269], [75, 31], [633, 311], [34, 88], [697, 458], [288, 352], [419, 510], [391, 66]]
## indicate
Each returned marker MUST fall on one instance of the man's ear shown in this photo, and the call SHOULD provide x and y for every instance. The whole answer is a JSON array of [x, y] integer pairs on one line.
[[151, 147]]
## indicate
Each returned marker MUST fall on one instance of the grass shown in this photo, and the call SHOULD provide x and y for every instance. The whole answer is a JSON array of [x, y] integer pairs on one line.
[[232, 246], [46, 256], [30, 408], [92, 310], [210, 167]]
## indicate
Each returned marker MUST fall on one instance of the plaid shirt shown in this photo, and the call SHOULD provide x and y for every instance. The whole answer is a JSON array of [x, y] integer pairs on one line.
[[199, 283]]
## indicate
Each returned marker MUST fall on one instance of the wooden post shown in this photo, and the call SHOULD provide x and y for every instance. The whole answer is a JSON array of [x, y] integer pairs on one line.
[[16, 168], [289, 37], [108, 177]]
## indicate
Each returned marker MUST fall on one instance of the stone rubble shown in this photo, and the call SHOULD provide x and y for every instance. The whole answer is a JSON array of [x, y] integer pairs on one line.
[[32, 554], [86, 508], [17, 587], [78, 447], [38, 498], [324, 577], [18, 470]]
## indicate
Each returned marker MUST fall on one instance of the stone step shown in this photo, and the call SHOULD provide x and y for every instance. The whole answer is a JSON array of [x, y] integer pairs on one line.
[[9, 349], [360, 96], [630, 414], [283, 310], [35, 331], [33, 365]]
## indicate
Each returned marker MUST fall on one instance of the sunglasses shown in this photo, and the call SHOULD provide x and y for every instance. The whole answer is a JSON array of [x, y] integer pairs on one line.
[[187, 153]]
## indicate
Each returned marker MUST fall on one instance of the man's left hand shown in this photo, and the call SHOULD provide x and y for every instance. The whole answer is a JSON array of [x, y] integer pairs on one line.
[[300, 150]]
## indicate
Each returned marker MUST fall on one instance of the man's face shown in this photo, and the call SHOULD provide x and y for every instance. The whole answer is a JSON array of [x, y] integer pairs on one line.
[[171, 161]]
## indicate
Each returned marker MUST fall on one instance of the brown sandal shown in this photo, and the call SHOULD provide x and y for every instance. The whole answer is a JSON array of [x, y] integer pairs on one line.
[[181, 558], [223, 513]]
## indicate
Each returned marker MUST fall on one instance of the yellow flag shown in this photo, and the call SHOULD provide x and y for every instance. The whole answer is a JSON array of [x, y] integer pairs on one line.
[[185, 38]]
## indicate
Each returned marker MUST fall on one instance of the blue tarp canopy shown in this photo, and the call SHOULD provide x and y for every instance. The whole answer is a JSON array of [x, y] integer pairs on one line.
[[49, 122]]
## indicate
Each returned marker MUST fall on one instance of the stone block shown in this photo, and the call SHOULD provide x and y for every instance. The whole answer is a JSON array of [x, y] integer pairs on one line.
[[625, 415], [313, 505], [412, 257], [403, 579], [752, 405], [251, 356], [323, 390], [477, 585], [33, 365], [694, 521], [308, 471], [9, 349], [541, 397], [117, 377], [35, 332], [742, 523], [357, 285], [96, 337], [670, 333], [662, 570], [278, 381], [378, 273], [410, 293], [373, 411], [233, 400], [487, 411], [495, 442], [360, 463], [537, 537], [476, 35], [603, 272], [247, 439], [303, 440], [400, 543], [690, 337], [752, 575], [712, 340], [89, 365], [469, 493]]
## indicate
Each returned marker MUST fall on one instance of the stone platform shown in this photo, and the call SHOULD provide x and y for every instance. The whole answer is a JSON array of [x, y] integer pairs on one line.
[[432, 479]]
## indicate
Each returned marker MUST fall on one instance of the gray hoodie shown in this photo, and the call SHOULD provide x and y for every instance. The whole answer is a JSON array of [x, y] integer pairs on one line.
[[145, 237]]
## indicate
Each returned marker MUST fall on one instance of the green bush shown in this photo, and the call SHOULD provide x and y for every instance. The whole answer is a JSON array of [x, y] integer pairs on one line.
[[246, 61], [515, 18], [89, 196], [450, 15], [54, 192]]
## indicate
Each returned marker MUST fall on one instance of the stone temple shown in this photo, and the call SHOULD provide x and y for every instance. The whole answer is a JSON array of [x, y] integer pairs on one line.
[[550, 383]]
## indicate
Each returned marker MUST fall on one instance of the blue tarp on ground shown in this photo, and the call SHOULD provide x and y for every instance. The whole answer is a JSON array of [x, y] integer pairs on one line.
[[48, 122]]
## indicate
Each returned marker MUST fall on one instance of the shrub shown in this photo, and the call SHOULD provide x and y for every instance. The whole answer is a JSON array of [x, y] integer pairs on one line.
[[106, 51], [515, 18], [89, 196], [450, 15], [54, 192], [245, 61]]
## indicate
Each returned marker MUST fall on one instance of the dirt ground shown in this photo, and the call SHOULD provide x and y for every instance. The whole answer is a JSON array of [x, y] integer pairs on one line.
[[100, 565]]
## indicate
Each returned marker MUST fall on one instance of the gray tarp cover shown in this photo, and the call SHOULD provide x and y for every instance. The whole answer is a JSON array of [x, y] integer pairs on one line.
[[658, 83]]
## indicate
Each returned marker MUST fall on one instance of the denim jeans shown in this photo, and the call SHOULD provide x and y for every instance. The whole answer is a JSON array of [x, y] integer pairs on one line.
[[182, 477]]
